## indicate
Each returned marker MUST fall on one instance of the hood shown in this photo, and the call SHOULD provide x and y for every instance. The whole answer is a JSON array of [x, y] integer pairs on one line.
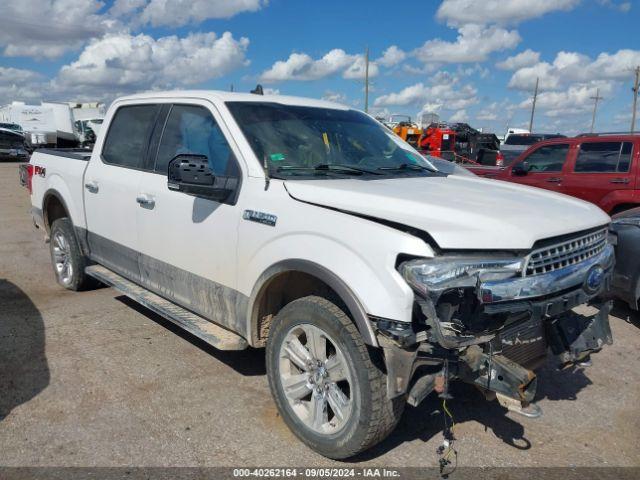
[[458, 212]]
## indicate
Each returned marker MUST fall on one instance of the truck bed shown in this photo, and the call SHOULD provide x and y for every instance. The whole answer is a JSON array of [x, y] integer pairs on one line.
[[61, 170]]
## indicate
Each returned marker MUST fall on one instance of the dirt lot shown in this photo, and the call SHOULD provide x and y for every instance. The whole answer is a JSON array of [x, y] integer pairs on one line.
[[90, 379]]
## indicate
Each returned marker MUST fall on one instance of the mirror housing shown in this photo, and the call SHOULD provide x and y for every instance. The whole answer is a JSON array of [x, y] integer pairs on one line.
[[520, 169], [191, 174]]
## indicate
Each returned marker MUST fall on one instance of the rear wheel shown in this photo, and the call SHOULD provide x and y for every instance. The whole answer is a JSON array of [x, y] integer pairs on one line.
[[329, 388], [67, 258]]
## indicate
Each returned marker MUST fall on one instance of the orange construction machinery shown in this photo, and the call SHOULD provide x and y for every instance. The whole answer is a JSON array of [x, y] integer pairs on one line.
[[405, 128], [438, 140]]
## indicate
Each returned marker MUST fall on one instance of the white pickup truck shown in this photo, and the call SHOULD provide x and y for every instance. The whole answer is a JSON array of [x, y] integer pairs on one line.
[[372, 278]]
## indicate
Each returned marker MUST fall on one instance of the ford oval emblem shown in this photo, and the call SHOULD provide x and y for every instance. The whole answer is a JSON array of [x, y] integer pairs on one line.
[[594, 279]]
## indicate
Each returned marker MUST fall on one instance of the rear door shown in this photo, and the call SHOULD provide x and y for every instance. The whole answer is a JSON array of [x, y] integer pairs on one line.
[[545, 165], [111, 184], [601, 167]]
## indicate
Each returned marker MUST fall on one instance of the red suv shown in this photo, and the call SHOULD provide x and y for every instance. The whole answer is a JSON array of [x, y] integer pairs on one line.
[[601, 168]]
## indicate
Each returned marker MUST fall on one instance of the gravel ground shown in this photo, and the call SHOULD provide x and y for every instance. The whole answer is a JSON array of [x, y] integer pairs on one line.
[[91, 379]]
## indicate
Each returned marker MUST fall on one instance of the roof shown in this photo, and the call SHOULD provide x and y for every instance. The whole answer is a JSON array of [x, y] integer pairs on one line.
[[222, 96]]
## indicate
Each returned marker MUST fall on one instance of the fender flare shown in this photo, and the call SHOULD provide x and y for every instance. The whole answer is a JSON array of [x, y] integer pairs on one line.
[[52, 192], [81, 236], [351, 301]]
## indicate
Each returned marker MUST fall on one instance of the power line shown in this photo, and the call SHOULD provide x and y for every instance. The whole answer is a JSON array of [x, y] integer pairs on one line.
[[596, 99]]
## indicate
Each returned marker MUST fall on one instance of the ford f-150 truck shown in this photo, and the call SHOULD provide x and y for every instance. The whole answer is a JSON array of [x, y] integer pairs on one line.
[[306, 227]]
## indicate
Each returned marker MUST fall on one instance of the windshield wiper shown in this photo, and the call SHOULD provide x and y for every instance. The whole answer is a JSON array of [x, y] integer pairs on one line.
[[328, 167], [409, 166]]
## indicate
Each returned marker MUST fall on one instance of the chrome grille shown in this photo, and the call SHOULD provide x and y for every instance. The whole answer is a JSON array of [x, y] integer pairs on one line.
[[564, 254]]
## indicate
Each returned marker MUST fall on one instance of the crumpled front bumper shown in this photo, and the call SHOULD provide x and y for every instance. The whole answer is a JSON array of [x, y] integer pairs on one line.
[[554, 313]]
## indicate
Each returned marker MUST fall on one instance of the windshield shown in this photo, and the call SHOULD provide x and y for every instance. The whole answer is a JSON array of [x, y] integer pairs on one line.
[[302, 141], [11, 126]]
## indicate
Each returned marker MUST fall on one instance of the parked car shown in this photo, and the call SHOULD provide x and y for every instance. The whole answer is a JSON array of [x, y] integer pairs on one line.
[[12, 144], [602, 169], [515, 144], [306, 227], [626, 277]]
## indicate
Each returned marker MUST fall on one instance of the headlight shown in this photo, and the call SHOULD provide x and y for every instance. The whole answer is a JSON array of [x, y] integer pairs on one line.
[[634, 221], [439, 273]]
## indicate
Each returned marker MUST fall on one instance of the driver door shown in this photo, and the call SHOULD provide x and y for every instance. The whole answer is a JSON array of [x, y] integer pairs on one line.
[[545, 167], [187, 243]]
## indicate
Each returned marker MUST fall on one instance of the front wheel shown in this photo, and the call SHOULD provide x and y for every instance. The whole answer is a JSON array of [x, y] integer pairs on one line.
[[328, 386]]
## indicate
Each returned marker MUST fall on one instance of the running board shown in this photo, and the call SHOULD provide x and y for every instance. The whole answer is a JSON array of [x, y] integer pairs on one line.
[[202, 328]]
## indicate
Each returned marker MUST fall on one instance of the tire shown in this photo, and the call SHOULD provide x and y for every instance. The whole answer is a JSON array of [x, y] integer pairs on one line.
[[67, 258], [369, 417]]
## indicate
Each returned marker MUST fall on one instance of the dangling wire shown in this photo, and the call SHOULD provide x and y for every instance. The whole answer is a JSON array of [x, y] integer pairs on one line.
[[446, 450]]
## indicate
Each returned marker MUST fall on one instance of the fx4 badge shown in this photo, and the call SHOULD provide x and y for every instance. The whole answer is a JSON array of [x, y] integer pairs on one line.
[[40, 171], [260, 217]]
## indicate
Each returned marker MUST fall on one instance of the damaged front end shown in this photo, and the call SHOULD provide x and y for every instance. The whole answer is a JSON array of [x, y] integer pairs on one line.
[[491, 320]]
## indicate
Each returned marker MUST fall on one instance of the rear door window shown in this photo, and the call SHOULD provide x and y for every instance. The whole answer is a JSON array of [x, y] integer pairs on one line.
[[191, 129], [549, 158], [604, 157], [128, 137]]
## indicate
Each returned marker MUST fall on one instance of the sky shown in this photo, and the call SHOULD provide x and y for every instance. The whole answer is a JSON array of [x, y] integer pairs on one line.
[[474, 61]]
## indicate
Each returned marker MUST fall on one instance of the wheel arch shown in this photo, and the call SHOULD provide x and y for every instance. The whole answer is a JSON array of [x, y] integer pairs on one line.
[[298, 273], [53, 208]]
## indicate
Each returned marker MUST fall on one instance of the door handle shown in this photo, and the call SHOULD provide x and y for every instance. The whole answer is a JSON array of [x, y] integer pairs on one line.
[[145, 200], [554, 180], [92, 186], [619, 180]]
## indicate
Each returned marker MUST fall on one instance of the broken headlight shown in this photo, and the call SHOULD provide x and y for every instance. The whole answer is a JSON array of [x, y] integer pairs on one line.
[[441, 273]]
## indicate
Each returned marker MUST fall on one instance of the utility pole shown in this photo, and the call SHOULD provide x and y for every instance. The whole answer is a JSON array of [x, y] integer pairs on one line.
[[533, 106], [596, 99], [635, 99], [366, 80]]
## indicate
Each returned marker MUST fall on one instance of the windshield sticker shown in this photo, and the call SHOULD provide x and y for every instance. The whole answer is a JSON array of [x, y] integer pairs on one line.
[[277, 157]]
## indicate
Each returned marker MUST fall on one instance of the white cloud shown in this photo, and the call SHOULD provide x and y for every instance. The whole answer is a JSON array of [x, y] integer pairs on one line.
[[123, 62], [474, 44], [459, 116], [575, 100], [182, 12], [444, 92], [570, 67], [49, 28], [334, 97], [624, 7], [462, 12], [19, 84], [391, 56], [9, 75], [271, 91], [521, 60], [300, 66]]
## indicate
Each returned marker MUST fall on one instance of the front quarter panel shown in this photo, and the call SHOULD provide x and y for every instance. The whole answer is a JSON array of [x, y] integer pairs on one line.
[[361, 253]]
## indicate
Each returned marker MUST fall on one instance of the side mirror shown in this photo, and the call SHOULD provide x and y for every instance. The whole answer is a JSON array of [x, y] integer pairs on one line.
[[520, 169], [191, 174]]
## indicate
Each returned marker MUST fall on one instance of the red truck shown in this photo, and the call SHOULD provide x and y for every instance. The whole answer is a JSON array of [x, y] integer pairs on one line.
[[601, 168]]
